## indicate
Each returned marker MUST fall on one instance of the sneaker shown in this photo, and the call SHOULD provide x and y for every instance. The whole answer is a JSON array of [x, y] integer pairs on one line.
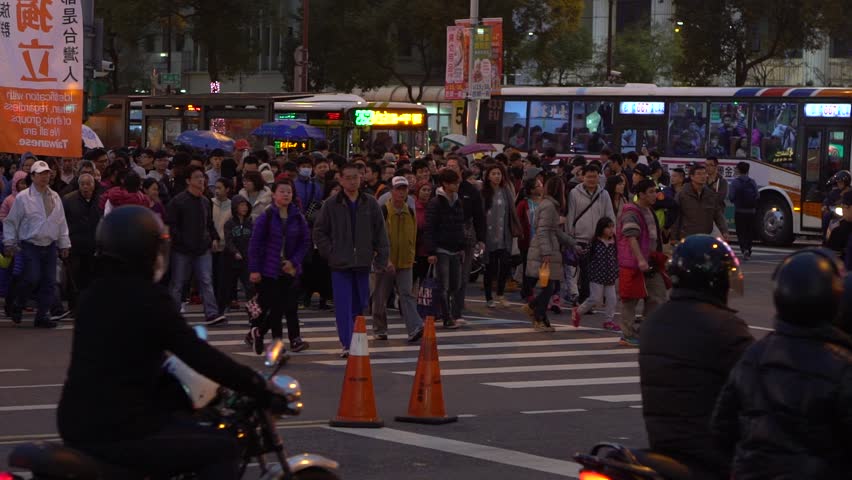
[[539, 326], [417, 335], [460, 321], [611, 326], [575, 317], [548, 327], [628, 341], [60, 315], [299, 345], [344, 353], [216, 320], [491, 304], [450, 325], [528, 310], [46, 323], [501, 300], [256, 340], [380, 336], [747, 255]]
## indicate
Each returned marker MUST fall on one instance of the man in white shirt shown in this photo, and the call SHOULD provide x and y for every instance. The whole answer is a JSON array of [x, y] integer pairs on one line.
[[36, 228]]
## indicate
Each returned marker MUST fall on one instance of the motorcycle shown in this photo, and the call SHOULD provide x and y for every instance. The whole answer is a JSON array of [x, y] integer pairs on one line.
[[611, 461], [215, 406]]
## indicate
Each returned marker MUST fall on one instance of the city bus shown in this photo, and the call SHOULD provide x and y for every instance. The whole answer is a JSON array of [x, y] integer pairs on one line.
[[350, 123], [794, 139]]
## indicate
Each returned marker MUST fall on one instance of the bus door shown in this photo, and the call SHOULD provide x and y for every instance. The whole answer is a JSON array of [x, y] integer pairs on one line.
[[640, 125], [827, 143]]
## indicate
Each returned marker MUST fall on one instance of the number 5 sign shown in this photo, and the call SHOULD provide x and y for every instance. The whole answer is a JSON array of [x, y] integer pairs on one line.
[[41, 88]]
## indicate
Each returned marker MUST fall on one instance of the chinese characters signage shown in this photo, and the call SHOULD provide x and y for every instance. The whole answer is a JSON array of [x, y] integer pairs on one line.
[[41, 82], [642, 108], [480, 84], [384, 118], [458, 51]]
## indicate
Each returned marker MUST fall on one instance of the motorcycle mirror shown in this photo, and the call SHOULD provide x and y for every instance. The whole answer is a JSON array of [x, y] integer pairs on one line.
[[200, 332], [275, 353]]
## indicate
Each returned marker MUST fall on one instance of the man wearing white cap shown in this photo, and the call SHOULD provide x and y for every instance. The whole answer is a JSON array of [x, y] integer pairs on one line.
[[37, 228], [401, 225]]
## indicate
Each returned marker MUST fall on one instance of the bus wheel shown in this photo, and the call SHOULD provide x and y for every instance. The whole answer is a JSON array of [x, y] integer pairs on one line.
[[775, 222]]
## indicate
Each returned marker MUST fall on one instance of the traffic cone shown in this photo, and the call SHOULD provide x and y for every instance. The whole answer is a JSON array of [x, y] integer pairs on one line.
[[427, 395], [358, 400]]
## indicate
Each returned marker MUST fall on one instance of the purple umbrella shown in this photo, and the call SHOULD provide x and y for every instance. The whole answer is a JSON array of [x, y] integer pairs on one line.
[[476, 148]]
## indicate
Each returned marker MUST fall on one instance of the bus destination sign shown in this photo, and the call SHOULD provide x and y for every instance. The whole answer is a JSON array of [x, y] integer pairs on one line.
[[387, 118], [642, 108], [828, 110]]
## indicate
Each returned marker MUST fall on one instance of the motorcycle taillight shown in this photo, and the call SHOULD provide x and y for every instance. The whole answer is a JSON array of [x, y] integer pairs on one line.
[[8, 476], [587, 475]]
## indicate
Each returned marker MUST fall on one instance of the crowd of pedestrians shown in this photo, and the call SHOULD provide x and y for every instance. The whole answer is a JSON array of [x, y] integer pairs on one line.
[[363, 234]]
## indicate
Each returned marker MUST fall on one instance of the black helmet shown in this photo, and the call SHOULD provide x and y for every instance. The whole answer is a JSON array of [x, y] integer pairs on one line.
[[809, 287], [841, 176], [135, 239], [706, 264]]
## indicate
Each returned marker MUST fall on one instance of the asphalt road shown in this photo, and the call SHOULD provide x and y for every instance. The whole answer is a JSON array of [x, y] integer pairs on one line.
[[526, 400]]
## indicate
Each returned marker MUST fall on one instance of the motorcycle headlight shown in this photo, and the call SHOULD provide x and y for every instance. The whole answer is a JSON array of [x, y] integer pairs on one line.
[[839, 211], [289, 388]]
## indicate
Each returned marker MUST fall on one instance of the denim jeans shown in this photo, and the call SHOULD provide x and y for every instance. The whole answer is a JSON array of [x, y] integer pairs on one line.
[[39, 275], [448, 274], [385, 282], [202, 266]]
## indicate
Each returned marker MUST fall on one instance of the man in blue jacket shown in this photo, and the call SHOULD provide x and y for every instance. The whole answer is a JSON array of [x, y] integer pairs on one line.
[[743, 194]]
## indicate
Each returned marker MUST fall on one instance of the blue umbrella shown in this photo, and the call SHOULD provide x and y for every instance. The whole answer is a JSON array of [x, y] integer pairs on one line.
[[206, 140], [289, 130]]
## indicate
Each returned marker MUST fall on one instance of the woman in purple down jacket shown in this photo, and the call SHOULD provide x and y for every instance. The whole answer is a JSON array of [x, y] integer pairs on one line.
[[278, 244]]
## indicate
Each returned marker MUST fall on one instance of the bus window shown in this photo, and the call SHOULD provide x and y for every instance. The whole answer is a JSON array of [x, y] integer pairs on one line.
[[591, 126], [687, 128], [550, 126], [773, 134], [515, 124], [728, 124]]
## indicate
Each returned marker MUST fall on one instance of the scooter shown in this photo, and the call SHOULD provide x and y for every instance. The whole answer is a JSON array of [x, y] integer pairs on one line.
[[611, 461], [216, 406]]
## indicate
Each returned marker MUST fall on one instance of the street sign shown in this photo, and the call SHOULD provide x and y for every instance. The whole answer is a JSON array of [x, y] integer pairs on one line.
[[170, 79]]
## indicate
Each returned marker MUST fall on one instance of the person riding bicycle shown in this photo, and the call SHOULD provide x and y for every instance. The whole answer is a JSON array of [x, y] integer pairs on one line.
[[687, 347], [115, 403], [786, 410]]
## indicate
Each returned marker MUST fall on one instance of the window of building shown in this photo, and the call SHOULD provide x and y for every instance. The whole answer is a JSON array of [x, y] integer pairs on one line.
[[591, 126], [841, 48], [180, 42], [728, 125], [687, 128], [550, 126], [515, 124], [773, 134]]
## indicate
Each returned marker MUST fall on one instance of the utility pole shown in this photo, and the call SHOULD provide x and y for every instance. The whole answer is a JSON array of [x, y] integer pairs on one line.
[[609, 42], [472, 104], [305, 26]]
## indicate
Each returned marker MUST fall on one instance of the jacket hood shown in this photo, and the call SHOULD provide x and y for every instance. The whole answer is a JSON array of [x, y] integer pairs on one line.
[[265, 195], [444, 194], [17, 177], [236, 200]]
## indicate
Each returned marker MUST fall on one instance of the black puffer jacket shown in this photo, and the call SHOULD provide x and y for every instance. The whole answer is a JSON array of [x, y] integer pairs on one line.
[[687, 348], [787, 406], [444, 224]]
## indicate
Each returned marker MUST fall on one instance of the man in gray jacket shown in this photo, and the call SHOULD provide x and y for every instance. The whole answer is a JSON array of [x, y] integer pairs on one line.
[[587, 204], [350, 234], [698, 208]]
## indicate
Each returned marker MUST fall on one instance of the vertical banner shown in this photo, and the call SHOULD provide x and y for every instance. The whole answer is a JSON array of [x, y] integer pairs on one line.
[[496, 25], [41, 79], [457, 53], [481, 69]]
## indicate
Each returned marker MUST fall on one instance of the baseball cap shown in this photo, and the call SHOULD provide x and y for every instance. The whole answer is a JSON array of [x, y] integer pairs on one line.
[[40, 166], [399, 182], [642, 169]]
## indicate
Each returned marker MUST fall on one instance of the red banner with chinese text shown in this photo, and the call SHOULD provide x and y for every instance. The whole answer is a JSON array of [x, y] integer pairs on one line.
[[41, 82]]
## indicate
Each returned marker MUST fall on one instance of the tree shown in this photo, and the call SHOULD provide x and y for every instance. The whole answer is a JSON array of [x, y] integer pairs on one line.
[[123, 31], [644, 55], [556, 59], [734, 36]]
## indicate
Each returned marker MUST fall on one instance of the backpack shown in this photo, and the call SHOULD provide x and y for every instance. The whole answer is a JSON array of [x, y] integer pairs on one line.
[[747, 195]]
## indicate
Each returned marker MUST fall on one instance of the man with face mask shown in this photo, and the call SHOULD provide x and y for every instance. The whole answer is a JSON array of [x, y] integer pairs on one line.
[[309, 191]]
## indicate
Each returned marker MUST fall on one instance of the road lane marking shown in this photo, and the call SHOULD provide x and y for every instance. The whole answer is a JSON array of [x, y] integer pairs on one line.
[[761, 328], [21, 387], [633, 397], [448, 372], [497, 356], [455, 334], [11, 370], [563, 410], [26, 408], [467, 449], [215, 331], [565, 382]]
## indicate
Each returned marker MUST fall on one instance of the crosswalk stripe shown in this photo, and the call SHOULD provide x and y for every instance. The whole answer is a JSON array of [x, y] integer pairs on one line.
[[633, 397], [25, 408], [12, 370], [449, 372], [498, 356], [217, 332], [566, 382], [561, 410], [464, 333]]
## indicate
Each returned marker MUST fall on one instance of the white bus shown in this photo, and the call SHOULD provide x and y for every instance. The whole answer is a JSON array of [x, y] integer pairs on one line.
[[794, 138]]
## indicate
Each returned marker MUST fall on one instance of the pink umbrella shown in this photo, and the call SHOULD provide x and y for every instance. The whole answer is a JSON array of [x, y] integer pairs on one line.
[[476, 148]]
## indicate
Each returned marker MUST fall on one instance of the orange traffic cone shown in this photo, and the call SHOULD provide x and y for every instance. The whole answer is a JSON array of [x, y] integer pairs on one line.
[[358, 401], [427, 394]]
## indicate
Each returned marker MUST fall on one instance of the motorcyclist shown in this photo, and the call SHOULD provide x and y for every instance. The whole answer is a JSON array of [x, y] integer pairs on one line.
[[113, 404], [687, 347], [787, 406], [840, 183]]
